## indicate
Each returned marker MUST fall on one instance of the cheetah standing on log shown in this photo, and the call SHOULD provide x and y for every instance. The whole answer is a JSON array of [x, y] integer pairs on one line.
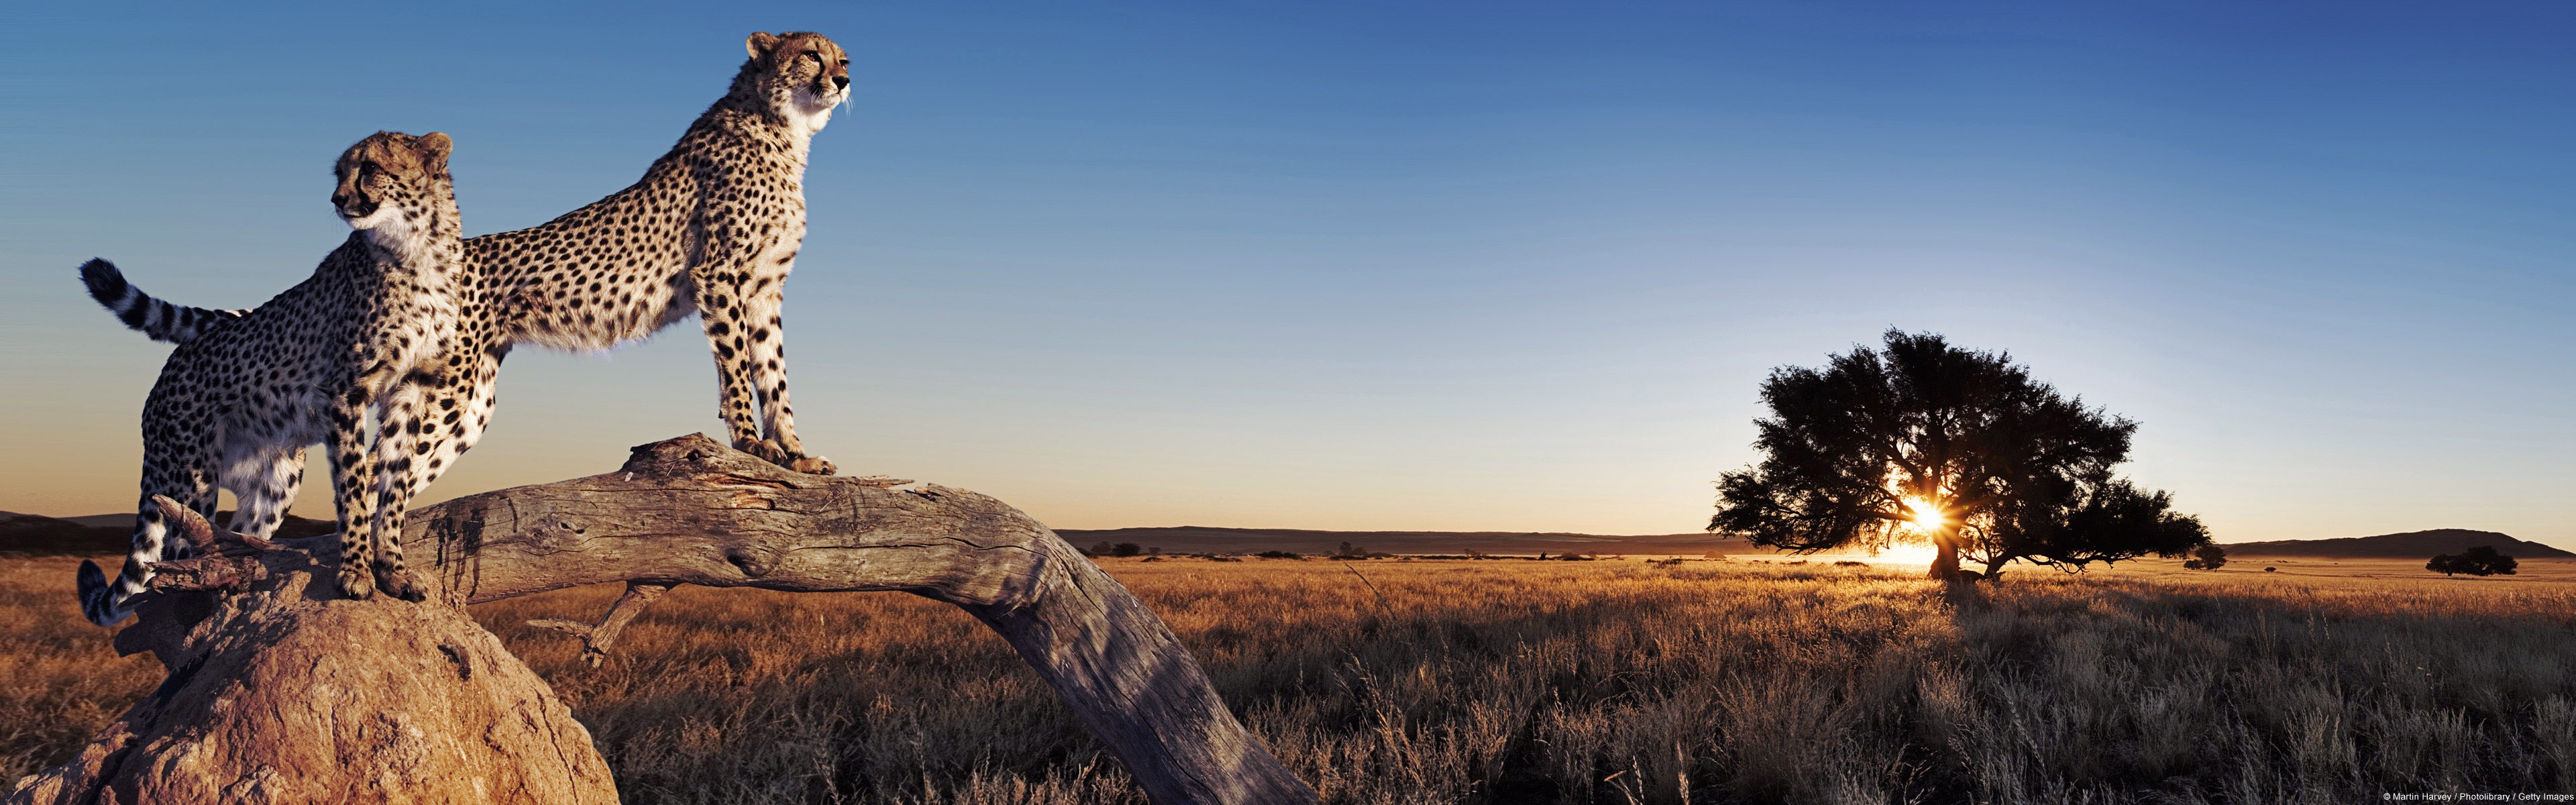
[[237, 404], [713, 229]]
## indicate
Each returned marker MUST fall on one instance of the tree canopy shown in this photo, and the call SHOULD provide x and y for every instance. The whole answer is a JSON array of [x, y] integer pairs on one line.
[[2482, 560], [1922, 440], [2207, 557]]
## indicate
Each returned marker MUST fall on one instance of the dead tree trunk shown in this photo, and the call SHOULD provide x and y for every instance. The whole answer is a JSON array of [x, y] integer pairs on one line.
[[690, 511]]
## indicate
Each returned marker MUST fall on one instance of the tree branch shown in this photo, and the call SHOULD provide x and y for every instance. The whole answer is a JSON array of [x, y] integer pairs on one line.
[[691, 511]]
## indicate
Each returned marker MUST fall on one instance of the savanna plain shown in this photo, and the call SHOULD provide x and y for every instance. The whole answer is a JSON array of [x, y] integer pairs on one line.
[[1613, 681]]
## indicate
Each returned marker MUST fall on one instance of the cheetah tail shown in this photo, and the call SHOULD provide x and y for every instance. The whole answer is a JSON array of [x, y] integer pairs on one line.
[[98, 597], [160, 320]]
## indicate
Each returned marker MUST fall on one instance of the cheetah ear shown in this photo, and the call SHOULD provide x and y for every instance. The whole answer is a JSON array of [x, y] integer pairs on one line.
[[760, 43], [434, 148]]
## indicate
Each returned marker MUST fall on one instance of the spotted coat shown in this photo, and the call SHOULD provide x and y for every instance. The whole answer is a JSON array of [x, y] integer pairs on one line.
[[236, 405], [713, 229]]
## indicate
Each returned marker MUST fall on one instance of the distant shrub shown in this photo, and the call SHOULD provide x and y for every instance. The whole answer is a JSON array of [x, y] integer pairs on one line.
[[1153, 558], [2270, 569], [1350, 551], [2479, 561], [1126, 549], [1849, 563], [2206, 557], [1278, 555], [1099, 549]]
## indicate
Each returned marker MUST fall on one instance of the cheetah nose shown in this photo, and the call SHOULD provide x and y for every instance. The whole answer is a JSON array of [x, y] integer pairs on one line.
[[339, 200], [841, 81]]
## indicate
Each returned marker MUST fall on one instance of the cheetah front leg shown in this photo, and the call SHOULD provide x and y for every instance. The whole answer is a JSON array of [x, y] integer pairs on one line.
[[451, 408], [399, 466], [723, 315], [766, 361], [718, 315], [353, 472]]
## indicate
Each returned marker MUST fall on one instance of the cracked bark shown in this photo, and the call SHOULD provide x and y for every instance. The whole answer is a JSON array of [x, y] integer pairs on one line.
[[691, 511]]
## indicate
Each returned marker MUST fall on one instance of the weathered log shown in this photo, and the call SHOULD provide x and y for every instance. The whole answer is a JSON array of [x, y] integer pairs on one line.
[[691, 511]]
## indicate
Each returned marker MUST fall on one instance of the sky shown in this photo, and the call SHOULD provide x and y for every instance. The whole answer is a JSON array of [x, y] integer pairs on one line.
[[1386, 265]]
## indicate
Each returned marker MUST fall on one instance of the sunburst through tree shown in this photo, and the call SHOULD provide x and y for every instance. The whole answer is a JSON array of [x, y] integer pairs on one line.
[[1919, 440]]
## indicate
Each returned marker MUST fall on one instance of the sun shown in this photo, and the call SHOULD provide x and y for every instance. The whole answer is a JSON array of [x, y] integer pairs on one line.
[[1926, 518]]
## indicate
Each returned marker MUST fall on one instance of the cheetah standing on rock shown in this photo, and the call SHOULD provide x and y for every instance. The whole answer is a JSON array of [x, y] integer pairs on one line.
[[713, 229], [237, 404]]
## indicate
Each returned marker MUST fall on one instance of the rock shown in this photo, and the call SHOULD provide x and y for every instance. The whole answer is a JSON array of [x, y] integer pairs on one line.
[[286, 693]]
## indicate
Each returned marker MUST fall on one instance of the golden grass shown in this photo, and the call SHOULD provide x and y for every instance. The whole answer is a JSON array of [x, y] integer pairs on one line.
[[1609, 681]]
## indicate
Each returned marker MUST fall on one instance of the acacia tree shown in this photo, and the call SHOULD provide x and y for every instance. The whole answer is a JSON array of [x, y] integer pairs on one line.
[[2482, 560], [1919, 439]]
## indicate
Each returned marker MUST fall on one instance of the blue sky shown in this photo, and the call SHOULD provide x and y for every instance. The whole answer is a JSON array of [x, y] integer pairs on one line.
[[1397, 265]]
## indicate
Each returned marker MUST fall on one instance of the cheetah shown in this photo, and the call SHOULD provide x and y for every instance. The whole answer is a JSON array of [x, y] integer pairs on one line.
[[237, 403], [712, 229]]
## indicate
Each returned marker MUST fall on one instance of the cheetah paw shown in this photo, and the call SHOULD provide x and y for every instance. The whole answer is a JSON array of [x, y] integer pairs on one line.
[[400, 584], [356, 584], [771, 451], [766, 450]]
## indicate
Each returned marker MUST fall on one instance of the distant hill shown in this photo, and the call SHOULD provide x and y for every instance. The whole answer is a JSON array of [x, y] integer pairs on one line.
[[38, 534], [1206, 539], [105, 534], [2409, 545]]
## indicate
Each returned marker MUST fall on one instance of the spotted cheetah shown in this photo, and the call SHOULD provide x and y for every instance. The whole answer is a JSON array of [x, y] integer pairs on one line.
[[713, 229], [238, 402]]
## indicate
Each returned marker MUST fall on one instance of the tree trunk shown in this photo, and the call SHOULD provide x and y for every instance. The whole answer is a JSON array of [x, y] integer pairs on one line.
[[690, 511], [1945, 562], [1995, 567]]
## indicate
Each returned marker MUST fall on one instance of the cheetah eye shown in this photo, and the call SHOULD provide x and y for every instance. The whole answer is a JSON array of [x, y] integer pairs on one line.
[[817, 56]]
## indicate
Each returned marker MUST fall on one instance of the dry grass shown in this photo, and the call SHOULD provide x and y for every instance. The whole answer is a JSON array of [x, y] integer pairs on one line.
[[1558, 682]]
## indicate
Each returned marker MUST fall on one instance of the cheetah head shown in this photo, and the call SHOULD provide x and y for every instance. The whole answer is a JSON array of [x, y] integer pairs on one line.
[[801, 75], [391, 183]]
